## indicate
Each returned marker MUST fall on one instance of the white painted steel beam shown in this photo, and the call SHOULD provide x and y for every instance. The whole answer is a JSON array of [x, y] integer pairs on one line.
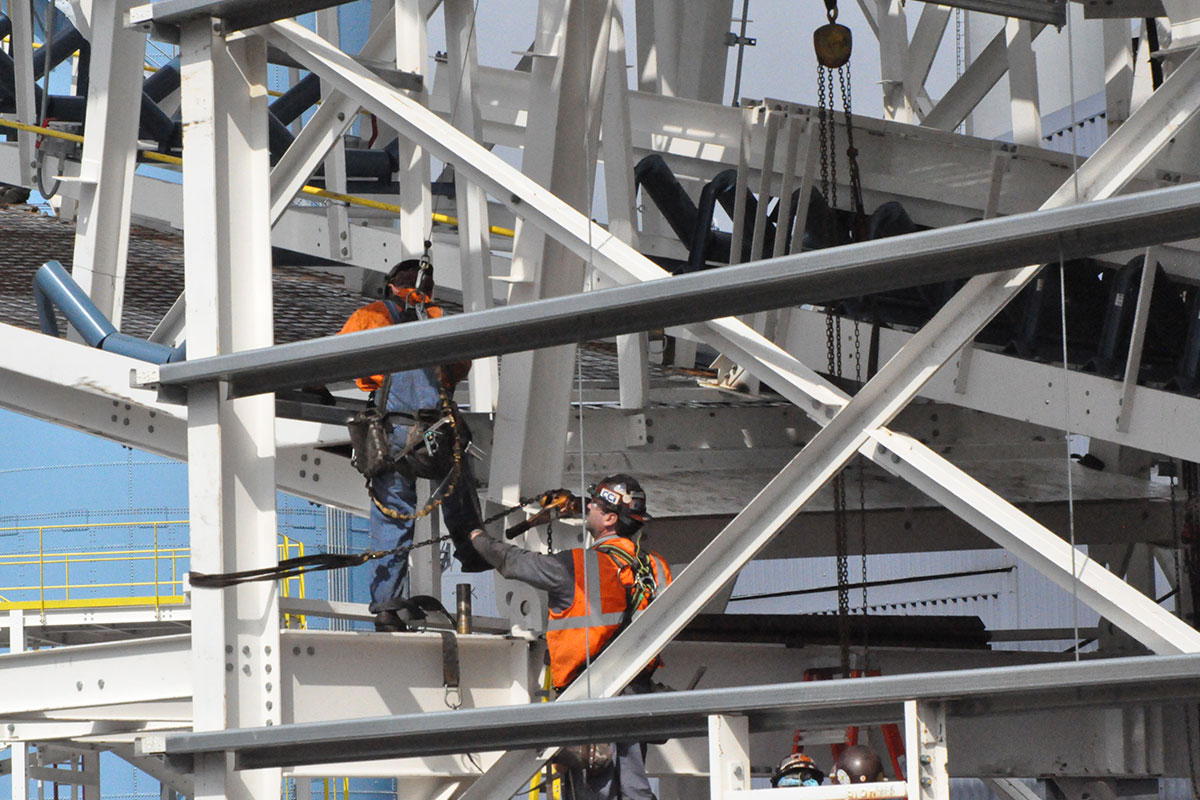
[[621, 196], [974, 84], [474, 225], [893, 45], [109, 157], [918, 59], [1096, 401], [21, 13], [88, 390], [874, 405], [140, 670], [1023, 83], [231, 443], [412, 55]]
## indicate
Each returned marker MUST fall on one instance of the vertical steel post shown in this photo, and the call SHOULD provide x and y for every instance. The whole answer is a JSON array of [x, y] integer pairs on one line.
[[231, 443], [109, 156]]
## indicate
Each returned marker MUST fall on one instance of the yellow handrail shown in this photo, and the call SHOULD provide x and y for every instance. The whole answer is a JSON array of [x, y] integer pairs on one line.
[[68, 592], [349, 199]]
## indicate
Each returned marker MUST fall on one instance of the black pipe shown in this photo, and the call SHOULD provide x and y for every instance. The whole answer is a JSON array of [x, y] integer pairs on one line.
[[163, 83], [83, 75], [156, 125], [61, 48], [705, 242], [298, 99], [656, 177]]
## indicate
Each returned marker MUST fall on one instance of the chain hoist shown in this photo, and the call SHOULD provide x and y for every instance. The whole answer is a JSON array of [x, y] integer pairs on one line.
[[833, 44]]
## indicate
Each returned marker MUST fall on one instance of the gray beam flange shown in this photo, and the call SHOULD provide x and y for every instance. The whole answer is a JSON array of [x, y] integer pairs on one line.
[[1118, 681], [949, 253]]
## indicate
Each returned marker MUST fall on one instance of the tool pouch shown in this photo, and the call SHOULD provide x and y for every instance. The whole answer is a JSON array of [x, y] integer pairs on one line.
[[585, 757], [369, 441], [429, 450]]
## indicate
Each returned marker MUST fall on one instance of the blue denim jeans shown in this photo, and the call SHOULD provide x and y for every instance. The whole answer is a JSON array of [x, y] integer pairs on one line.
[[460, 515]]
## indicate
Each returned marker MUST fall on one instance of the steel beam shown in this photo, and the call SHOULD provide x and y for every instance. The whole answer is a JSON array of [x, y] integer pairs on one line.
[[137, 671], [874, 405], [21, 13], [474, 226], [231, 443], [926, 257], [974, 84], [108, 159], [813, 704], [234, 15]]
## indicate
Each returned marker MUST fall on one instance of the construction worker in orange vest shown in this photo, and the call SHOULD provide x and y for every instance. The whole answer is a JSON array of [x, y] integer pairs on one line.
[[593, 594]]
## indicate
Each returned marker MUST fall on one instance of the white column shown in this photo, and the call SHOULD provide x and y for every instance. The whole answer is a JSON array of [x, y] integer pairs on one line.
[[728, 755], [703, 53], [412, 50], [231, 443], [893, 44], [19, 752], [337, 213], [109, 156], [21, 13], [632, 359], [1022, 83], [1118, 71], [536, 387], [925, 746], [474, 225]]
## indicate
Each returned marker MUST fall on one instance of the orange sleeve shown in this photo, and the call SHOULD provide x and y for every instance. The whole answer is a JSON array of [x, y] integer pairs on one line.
[[370, 316]]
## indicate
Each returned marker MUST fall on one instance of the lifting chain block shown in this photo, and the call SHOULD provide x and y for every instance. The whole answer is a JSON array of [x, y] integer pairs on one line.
[[833, 43]]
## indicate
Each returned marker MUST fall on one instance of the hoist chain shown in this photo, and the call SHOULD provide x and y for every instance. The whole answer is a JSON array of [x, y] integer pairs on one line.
[[832, 43], [862, 512], [823, 112], [852, 155]]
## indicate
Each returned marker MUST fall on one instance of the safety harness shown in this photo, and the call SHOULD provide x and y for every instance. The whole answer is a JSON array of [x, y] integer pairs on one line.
[[644, 586], [448, 428]]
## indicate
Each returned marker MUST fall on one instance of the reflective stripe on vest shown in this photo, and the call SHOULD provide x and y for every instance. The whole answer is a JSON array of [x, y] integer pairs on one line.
[[578, 633], [594, 618]]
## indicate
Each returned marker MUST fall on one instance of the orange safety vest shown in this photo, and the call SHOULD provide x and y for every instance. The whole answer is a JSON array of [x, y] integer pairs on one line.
[[603, 582]]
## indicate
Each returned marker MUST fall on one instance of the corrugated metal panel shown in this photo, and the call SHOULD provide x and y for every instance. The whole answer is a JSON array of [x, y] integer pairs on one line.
[[1009, 595]]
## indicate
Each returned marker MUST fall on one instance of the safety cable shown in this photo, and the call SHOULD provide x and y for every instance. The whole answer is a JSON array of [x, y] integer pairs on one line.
[[292, 567], [1062, 304], [362, 202], [589, 180]]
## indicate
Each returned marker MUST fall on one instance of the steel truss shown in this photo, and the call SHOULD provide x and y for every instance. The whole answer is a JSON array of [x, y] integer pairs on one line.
[[233, 199]]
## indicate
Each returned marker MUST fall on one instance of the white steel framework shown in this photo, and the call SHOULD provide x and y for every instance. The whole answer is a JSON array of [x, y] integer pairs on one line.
[[571, 112]]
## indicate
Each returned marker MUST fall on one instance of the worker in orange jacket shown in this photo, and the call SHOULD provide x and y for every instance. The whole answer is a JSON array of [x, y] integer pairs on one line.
[[593, 594], [408, 297]]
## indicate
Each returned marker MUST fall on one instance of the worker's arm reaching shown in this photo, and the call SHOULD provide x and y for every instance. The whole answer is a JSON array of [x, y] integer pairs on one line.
[[553, 573]]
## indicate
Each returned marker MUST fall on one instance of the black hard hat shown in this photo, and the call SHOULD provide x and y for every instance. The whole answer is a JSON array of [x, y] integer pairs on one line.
[[622, 495], [413, 272], [857, 764], [797, 763], [401, 272]]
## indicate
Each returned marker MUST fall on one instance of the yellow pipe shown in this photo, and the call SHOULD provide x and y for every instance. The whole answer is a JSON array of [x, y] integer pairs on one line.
[[362, 202]]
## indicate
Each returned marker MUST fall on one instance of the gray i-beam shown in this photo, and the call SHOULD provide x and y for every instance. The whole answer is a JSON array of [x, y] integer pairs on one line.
[[956, 252], [821, 704]]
